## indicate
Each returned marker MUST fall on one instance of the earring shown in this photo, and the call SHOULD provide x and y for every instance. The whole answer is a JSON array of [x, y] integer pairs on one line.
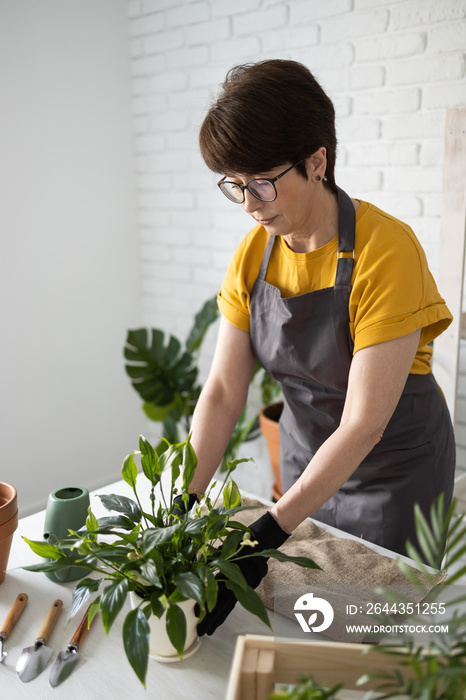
[[318, 178]]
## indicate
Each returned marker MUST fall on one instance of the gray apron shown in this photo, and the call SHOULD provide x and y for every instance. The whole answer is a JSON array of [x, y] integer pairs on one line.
[[305, 343]]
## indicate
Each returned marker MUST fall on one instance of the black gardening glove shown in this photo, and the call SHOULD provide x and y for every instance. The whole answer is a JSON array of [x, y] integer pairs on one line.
[[269, 535], [179, 507]]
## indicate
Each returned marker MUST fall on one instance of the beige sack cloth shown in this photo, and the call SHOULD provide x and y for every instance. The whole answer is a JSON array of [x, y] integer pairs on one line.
[[344, 563]]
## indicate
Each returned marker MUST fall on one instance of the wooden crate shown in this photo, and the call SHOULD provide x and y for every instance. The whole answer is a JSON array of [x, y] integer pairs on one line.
[[259, 662]]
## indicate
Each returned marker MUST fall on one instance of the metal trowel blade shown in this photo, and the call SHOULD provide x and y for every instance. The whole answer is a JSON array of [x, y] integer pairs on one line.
[[63, 666], [32, 661], [68, 658]]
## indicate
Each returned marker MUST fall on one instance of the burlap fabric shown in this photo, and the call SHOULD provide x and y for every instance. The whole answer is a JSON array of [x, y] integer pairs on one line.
[[348, 568]]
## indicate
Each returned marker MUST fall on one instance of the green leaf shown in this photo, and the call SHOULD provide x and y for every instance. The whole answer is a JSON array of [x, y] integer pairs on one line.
[[118, 522], [149, 461], [111, 601], [202, 321], [60, 564], [248, 598], [157, 606], [281, 556], [176, 627], [121, 504], [43, 549], [189, 464], [91, 521], [94, 608], [155, 536], [231, 543], [158, 413], [159, 372], [210, 585], [231, 495], [136, 634], [171, 458], [425, 538], [150, 573], [232, 572], [194, 526], [129, 470], [81, 593], [232, 464], [190, 586]]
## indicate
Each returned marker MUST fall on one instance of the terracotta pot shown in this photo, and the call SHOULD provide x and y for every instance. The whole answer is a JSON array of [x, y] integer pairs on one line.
[[268, 421], [8, 523], [160, 646]]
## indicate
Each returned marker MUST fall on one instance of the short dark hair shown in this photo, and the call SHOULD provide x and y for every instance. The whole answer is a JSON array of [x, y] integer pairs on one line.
[[268, 113]]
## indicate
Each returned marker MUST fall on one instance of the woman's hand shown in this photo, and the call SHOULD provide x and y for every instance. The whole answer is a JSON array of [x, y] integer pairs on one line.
[[268, 535], [376, 381]]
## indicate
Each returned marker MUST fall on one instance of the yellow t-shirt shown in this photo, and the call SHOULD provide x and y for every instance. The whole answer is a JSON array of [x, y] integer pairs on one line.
[[393, 292]]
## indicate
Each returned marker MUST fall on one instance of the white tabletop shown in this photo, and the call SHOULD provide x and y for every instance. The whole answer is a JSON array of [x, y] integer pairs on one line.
[[103, 671]]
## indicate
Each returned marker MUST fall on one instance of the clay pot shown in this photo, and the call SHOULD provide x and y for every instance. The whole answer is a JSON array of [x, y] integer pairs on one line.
[[270, 429], [8, 523]]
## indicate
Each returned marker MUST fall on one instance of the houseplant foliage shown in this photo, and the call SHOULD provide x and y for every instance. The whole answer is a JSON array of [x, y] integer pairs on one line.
[[307, 689], [161, 554], [437, 668], [165, 374]]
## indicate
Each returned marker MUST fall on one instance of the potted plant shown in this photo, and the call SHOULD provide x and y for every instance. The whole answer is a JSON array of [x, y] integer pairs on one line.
[[164, 372], [269, 417], [8, 523], [163, 556]]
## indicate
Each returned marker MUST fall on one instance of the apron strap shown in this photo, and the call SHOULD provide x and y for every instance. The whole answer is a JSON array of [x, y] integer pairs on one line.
[[346, 228], [266, 258]]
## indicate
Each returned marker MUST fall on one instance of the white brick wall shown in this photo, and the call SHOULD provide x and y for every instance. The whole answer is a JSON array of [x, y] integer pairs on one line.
[[392, 68]]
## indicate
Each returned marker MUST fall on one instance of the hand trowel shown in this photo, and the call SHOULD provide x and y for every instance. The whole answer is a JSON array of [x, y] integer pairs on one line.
[[11, 620], [67, 659], [34, 659]]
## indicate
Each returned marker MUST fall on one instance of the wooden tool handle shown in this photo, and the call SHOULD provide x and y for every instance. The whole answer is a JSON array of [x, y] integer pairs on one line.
[[49, 622], [81, 631], [16, 610]]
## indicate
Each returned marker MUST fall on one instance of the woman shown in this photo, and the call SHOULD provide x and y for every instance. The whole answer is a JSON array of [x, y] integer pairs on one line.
[[335, 299]]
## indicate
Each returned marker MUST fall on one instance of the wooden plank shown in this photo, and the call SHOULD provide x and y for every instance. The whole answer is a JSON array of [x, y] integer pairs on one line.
[[327, 662], [265, 674], [451, 252], [234, 681], [248, 673]]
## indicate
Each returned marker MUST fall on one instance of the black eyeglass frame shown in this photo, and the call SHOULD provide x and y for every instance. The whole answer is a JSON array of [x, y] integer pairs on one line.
[[271, 181]]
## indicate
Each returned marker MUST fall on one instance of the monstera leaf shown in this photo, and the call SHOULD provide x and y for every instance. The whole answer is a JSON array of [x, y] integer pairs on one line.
[[202, 320], [161, 374]]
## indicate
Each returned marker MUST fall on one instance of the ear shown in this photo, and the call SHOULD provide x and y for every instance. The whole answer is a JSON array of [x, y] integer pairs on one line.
[[317, 163]]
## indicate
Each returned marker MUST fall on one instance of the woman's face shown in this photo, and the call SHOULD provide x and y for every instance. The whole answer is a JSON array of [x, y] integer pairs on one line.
[[294, 209]]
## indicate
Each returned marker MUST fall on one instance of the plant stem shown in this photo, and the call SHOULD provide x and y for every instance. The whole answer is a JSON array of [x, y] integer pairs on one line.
[[140, 507]]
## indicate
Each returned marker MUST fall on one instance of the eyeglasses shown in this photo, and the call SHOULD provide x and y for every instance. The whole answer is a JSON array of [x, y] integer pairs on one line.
[[263, 189]]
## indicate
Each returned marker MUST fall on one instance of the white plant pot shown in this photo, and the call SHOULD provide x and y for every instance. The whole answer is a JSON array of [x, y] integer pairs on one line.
[[160, 646]]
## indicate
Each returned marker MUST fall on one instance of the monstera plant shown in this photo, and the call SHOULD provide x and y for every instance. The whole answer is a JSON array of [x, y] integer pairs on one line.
[[164, 372]]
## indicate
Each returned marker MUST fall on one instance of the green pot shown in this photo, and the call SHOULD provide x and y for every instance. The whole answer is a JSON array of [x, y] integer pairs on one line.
[[66, 510]]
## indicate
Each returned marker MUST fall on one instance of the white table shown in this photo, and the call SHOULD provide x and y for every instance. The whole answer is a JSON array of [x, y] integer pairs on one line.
[[103, 672]]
